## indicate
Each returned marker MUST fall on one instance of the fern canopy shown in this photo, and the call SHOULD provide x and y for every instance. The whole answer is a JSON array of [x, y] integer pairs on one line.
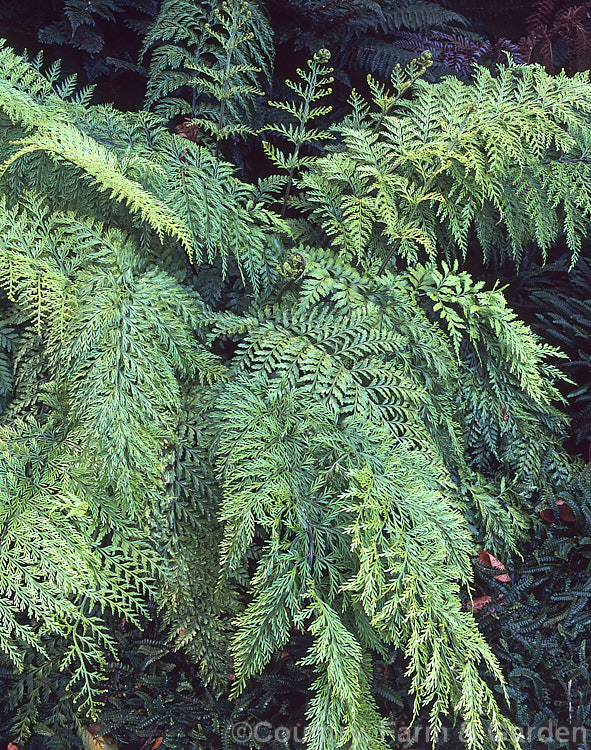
[[264, 423]]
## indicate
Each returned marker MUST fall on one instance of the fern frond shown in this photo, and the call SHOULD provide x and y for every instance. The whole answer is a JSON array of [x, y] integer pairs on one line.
[[214, 52], [504, 157], [325, 378], [313, 86]]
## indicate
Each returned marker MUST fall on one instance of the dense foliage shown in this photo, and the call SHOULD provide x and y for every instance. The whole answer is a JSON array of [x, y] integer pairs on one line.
[[263, 434]]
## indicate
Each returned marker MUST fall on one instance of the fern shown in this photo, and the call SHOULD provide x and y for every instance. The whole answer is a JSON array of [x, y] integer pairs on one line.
[[360, 32], [266, 426], [158, 188], [541, 637], [216, 52], [87, 27], [558, 301], [326, 380], [57, 566], [314, 86], [177, 40], [233, 85], [493, 160], [86, 297], [458, 50], [8, 341]]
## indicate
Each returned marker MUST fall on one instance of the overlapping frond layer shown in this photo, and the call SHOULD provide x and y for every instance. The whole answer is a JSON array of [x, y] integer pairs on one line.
[[350, 440], [502, 161], [128, 169]]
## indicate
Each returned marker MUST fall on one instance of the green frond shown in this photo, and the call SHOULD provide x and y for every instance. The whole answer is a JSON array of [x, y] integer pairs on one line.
[[353, 390], [56, 148], [314, 84], [213, 57], [501, 158], [57, 565]]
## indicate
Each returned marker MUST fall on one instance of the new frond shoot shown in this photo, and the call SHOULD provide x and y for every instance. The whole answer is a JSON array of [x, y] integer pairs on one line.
[[314, 84]]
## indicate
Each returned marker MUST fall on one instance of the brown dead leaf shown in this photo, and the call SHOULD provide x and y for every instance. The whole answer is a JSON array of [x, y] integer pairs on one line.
[[486, 559], [565, 513], [93, 740]]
